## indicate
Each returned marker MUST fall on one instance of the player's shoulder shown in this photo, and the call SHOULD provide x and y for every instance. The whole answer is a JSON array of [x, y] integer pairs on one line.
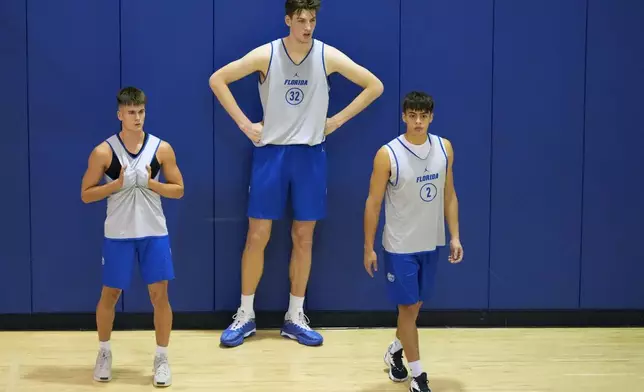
[[101, 153], [262, 51], [331, 52], [383, 155], [165, 150], [164, 145], [103, 148], [447, 145], [446, 142]]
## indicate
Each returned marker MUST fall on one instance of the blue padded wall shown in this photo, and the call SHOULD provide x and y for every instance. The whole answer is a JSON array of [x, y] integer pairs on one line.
[[171, 64], [540, 100], [613, 221], [538, 115], [456, 69], [15, 265], [232, 153], [339, 241], [73, 81]]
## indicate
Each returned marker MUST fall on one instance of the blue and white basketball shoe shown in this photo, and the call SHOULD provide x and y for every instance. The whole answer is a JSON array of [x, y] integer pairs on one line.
[[297, 328], [243, 327]]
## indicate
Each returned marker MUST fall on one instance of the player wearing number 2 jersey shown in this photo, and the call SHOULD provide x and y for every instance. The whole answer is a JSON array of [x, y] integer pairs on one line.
[[289, 157], [413, 173]]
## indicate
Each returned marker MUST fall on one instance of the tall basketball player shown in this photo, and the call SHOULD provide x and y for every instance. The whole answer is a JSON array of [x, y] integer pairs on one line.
[[135, 228], [413, 173], [289, 153]]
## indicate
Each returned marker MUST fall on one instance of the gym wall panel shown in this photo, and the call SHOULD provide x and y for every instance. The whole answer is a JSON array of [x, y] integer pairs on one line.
[[15, 267], [338, 279], [73, 81], [232, 151], [169, 56], [537, 135], [613, 219], [456, 69]]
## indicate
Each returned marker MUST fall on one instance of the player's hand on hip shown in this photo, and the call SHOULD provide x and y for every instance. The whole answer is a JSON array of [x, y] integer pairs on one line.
[[253, 131], [331, 126], [370, 262], [455, 251]]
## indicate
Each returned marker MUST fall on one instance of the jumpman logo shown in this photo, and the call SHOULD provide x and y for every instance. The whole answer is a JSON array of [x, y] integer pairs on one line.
[[296, 75], [426, 171]]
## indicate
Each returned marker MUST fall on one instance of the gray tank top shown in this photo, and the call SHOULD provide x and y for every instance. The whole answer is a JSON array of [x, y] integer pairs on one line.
[[414, 202], [134, 211], [295, 98]]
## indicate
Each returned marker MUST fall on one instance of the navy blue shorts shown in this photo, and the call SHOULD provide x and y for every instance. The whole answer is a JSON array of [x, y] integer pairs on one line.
[[282, 170], [410, 277], [153, 255]]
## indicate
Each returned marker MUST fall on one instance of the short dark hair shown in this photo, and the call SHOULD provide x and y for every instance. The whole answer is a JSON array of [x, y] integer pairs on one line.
[[418, 101], [131, 96], [297, 6]]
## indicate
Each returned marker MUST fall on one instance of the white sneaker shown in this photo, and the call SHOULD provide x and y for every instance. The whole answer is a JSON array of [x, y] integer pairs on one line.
[[162, 374], [103, 367]]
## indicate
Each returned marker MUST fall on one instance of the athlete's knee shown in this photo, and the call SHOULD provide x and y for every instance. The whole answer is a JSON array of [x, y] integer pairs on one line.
[[409, 312], [302, 234], [259, 233], [109, 296], [159, 293]]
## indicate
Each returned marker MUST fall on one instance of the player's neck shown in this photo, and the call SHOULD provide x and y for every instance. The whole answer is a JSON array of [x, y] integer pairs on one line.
[[416, 138], [132, 136], [294, 46]]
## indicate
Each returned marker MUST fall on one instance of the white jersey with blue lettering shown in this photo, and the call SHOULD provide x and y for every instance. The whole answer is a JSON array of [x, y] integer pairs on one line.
[[295, 97], [134, 211], [414, 199]]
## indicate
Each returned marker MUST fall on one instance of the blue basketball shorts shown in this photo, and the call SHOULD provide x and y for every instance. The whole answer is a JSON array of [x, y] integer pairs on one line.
[[280, 171], [154, 258], [410, 277]]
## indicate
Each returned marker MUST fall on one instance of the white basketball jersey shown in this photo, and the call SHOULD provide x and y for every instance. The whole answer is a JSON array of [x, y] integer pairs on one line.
[[134, 211], [295, 98], [414, 202]]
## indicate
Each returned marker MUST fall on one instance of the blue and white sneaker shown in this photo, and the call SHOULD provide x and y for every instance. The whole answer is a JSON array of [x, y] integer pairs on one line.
[[298, 329], [243, 327]]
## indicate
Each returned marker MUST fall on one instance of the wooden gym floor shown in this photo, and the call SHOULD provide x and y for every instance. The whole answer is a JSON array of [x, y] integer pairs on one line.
[[567, 360]]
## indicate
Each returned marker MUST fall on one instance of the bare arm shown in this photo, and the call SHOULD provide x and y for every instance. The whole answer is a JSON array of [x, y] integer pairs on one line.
[[377, 187], [451, 201], [254, 61], [173, 188], [97, 163], [336, 61]]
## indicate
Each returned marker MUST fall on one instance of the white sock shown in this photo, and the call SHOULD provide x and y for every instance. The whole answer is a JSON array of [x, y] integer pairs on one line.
[[247, 303], [397, 345], [296, 304], [162, 350], [105, 345], [416, 369]]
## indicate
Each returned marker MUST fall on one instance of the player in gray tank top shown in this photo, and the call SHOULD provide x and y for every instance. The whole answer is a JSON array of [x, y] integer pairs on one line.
[[300, 117], [413, 174], [289, 153], [130, 163]]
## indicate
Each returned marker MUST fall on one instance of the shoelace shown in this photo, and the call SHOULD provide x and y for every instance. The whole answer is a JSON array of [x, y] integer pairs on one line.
[[103, 360], [238, 317], [422, 382], [162, 367], [397, 357], [303, 321]]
